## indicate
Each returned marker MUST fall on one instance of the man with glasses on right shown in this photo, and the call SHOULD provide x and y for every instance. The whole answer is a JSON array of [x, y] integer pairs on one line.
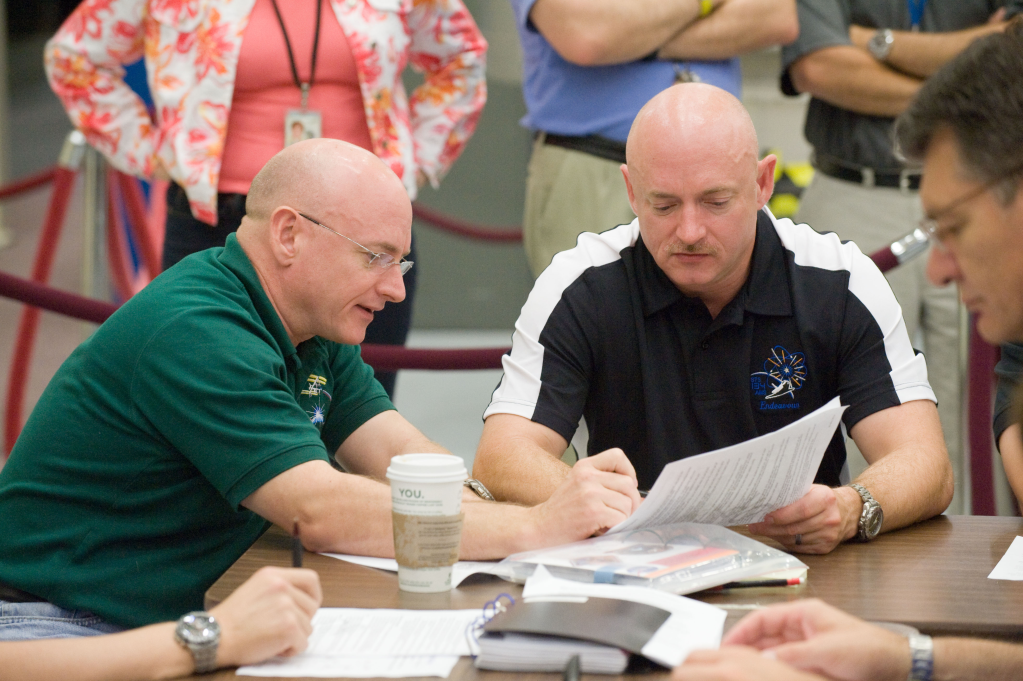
[[966, 127]]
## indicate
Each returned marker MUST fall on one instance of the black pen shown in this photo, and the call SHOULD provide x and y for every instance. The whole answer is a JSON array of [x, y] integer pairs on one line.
[[572, 669], [296, 547], [756, 583]]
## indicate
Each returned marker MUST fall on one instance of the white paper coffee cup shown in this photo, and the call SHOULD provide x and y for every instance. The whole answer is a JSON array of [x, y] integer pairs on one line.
[[426, 508]]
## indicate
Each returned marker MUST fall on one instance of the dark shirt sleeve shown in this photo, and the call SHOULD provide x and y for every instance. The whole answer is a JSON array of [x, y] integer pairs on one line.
[[822, 23], [361, 396], [1008, 371]]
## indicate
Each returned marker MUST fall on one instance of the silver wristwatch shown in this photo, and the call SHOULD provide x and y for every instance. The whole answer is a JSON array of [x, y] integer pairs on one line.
[[200, 633], [872, 517], [880, 44], [921, 652], [479, 488]]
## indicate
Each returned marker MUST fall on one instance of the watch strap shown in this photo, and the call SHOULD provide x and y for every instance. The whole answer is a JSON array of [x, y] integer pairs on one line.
[[869, 504], [479, 488], [204, 654], [921, 651]]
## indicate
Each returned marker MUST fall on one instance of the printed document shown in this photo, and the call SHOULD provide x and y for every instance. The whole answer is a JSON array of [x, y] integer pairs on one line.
[[740, 484], [355, 642], [1011, 564]]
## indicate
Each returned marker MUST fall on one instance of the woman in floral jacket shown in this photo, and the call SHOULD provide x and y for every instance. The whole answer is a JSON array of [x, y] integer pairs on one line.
[[226, 75]]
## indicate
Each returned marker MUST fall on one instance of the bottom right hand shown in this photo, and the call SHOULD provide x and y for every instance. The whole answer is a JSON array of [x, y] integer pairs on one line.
[[815, 637], [269, 615]]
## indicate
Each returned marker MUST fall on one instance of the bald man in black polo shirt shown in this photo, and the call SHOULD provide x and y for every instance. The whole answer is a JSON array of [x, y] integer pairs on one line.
[[707, 322]]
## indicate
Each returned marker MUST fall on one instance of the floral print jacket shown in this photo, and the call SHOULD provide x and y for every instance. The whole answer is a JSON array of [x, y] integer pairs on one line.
[[191, 50]]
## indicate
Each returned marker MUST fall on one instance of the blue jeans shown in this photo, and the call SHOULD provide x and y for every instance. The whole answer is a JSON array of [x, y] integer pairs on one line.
[[24, 621]]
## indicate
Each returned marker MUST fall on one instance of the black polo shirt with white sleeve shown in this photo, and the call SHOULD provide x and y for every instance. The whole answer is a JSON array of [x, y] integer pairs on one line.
[[606, 335]]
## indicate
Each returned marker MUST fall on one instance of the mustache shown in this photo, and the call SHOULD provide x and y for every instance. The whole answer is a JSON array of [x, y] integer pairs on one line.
[[699, 248]]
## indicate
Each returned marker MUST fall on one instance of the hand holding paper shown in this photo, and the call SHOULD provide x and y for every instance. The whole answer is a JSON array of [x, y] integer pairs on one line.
[[740, 484]]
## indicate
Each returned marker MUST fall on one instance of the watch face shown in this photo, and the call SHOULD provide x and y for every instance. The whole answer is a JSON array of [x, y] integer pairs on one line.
[[872, 523], [198, 629]]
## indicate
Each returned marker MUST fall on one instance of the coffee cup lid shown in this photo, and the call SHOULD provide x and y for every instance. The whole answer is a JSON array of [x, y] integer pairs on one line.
[[427, 468]]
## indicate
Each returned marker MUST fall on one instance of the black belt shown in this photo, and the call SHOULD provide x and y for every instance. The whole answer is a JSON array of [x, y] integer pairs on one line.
[[868, 177], [594, 145], [11, 595]]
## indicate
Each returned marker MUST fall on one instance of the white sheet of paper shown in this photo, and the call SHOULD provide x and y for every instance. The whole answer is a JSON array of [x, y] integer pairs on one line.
[[740, 484], [693, 625], [459, 572], [345, 641], [333, 666], [1011, 564]]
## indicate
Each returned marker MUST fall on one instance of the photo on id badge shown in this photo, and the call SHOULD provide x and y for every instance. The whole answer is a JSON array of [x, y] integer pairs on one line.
[[301, 125]]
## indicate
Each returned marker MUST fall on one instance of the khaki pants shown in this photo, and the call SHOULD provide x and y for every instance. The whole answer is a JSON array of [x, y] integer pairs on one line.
[[567, 193], [874, 217]]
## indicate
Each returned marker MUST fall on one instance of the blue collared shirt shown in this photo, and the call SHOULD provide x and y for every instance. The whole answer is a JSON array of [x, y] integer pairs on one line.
[[568, 99]]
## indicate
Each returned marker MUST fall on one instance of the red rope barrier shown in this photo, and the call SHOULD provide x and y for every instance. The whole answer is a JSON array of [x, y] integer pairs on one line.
[[28, 183], [131, 195], [118, 261], [980, 377], [884, 259], [395, 357], [466, 229], [55, 300], [63, 183]]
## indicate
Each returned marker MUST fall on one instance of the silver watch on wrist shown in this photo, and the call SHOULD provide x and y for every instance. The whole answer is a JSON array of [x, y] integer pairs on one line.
[[880, 44], [200, 633], [871, 517], [479, 488], [921, 655]]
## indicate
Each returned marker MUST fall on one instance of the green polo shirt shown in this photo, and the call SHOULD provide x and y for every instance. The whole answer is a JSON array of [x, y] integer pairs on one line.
[[122, 495]]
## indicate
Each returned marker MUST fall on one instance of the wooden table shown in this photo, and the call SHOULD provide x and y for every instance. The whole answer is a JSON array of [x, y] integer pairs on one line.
[[932, 576]]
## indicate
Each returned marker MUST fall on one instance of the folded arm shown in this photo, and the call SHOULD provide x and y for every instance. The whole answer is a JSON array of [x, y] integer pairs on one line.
[[850, 78], [596, 32], [921, 54], [734, 28]]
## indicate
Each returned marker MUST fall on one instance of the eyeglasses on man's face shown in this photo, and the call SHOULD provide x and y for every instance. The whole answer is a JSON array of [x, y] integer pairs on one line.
[[381, 260], [940, 236]]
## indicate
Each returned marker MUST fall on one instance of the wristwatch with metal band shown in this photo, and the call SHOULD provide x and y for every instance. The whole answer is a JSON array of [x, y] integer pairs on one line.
[[921, 651], [200, 633], [880, 44], [479, 488], [871, 517]]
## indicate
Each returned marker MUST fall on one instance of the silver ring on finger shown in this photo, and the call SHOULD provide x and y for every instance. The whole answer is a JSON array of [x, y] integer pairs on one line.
[[799, 540]]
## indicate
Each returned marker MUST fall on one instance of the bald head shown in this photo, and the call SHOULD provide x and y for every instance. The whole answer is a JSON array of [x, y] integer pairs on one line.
[[316, 216], [692, 118], [319, 172]]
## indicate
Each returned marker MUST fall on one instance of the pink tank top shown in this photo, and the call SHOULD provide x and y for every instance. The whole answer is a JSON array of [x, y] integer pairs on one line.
[[264, 89]]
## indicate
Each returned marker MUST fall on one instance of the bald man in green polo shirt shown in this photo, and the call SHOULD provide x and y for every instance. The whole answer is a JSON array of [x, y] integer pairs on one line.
[[208, 405]]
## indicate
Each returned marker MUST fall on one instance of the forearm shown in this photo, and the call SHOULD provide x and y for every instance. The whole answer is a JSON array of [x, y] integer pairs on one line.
[[1011, 448], [921, 54], [146, 653], [514, 467], [962, 659], [596, 32], [851, 79], [911, 485], [734, 28]]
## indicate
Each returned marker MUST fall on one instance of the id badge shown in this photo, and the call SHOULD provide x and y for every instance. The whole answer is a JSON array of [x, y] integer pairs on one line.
[[302, 124]]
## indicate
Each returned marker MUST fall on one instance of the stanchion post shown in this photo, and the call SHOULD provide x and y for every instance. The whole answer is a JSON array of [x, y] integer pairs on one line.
[[95, 282]]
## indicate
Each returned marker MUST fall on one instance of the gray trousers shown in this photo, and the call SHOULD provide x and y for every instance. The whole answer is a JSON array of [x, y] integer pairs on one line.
[[874, 217]]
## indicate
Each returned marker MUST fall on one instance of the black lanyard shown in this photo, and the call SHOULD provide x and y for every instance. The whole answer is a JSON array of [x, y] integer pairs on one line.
[[304, 87]]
